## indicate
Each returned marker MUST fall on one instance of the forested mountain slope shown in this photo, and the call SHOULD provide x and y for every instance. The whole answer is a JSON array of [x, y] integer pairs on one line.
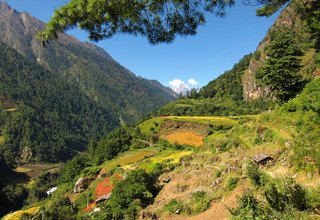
[[84, 65], [52, 117], [63, 94]]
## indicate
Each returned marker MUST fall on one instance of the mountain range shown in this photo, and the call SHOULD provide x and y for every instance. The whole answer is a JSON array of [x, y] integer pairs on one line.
[[100, 93]]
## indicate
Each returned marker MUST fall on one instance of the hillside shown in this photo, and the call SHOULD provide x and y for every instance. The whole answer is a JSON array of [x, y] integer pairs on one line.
[[215, 154], [221, 96], [299, 20], [228, 84], [187, 167], [61, 96], [51, 118], [284, 62], [85, 66]]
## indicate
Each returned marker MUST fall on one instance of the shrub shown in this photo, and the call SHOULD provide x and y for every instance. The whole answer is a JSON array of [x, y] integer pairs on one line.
[[283, 193], [199, 202], [249, 208], [257, 177], [232, 183], [138, 185], [173, 206]]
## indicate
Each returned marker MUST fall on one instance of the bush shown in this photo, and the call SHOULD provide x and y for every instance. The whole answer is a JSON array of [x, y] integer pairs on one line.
[[283, 193], [285, 200], [136, 191], [173, 206], [249, 208], [257, 177], [73, 168], [12, 198], [199, 202], [232, 183]]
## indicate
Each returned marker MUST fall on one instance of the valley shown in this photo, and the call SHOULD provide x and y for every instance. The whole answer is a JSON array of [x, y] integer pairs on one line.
[[82, 137], [197, 181]]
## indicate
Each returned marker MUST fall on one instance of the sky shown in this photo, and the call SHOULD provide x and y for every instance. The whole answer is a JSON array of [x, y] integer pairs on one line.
[[192, 61]]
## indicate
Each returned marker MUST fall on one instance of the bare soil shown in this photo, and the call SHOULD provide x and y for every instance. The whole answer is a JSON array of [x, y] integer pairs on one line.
[[218, 210]]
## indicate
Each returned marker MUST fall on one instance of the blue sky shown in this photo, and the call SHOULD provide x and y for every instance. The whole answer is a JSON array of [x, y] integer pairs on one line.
[[219, 44]]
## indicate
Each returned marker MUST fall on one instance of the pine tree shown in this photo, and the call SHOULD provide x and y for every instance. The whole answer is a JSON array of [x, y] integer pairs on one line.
[[281, 69], [158, 20]]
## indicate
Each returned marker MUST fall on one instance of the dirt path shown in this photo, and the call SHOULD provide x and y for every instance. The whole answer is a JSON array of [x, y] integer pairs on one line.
[[218, 210]]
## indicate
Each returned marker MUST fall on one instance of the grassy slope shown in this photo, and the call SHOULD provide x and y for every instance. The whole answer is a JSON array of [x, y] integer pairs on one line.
[[218, 168], [246, 141]]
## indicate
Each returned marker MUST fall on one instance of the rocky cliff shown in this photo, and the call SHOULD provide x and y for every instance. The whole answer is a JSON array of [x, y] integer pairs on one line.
[[289, 18]]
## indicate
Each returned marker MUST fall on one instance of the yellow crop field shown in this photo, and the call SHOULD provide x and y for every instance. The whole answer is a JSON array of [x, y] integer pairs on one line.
[[174, 157], [185, 137], [167, 156], [204, 119], [128, 159], [17, 215]]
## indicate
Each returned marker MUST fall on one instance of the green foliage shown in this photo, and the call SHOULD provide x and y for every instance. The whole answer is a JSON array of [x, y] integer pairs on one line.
[[285, 200], [159, 21], [91, 171], [3, 115], [138, 144], [310, 13], [38, 190], [115, 142], [60, 208], [304, 113], [313, 197], [281, 69], [263, 135], [256, 176], [54, 117], [214, 128], [12, 197], [270, 7], [173, 206], [213, 107], [283, 193], [249, 208], [74, 167], [199, 203], [232, 183], [136, 191], [229, 84]]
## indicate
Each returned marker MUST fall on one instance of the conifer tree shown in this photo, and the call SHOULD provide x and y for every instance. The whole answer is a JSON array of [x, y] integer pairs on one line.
[[281, 69], [158, 20]]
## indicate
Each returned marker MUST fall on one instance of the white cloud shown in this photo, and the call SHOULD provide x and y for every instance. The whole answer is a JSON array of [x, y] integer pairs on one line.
[[179, 86], [176, 83], [193, 82]]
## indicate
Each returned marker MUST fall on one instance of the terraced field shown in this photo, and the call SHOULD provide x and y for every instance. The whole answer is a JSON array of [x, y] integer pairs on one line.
[[127, 159], [185, 137], [153, 125], [204, 120]]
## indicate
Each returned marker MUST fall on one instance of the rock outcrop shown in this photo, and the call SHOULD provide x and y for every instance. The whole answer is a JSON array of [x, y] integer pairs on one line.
[[82, 184], [289, 18]]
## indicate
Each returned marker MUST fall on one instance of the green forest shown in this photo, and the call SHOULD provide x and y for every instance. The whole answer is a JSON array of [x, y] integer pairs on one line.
[[53, 119]]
